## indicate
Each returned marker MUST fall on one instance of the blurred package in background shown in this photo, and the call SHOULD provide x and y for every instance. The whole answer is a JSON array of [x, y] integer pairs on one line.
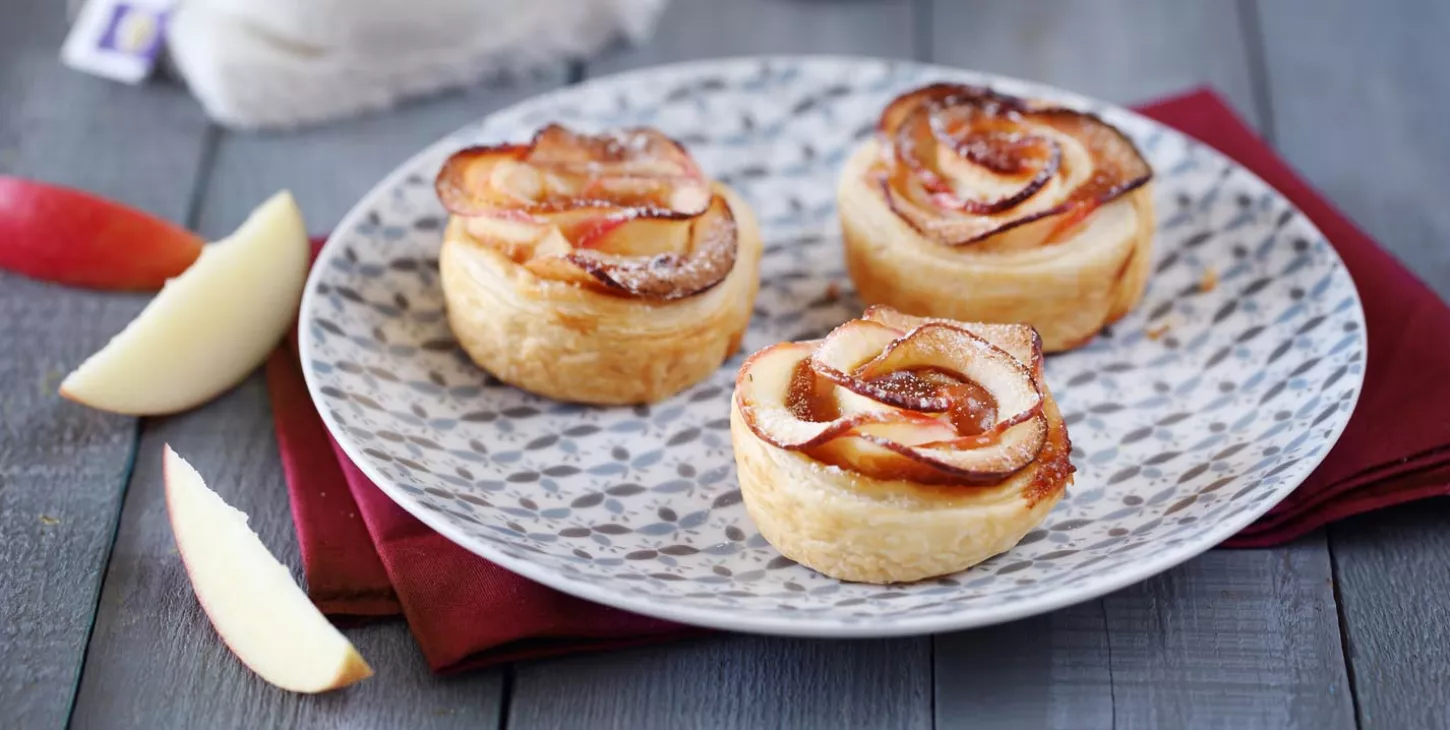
[[285, 63], [119, 40]]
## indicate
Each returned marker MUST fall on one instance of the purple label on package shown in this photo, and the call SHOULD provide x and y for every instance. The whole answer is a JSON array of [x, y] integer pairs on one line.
[[134, 30], [118, 39]]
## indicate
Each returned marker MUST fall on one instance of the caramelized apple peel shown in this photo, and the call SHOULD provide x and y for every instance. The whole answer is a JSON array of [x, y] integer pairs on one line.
[[966, 165], [627, 213], [897, 397]]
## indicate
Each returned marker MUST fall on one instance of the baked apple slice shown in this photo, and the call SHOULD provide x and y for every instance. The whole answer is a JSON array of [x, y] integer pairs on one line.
[[560, 169], [966, 164], [927, 401], [625, 212], [898, 447]]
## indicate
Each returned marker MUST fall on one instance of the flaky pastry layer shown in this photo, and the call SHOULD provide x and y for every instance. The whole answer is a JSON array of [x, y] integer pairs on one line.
[[1068, 290], [571, 343], [856, 528]]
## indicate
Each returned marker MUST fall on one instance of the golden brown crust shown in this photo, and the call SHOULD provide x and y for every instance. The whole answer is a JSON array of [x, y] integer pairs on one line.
[[861, 519], [856, 528], [1068, 289], [573, 343]]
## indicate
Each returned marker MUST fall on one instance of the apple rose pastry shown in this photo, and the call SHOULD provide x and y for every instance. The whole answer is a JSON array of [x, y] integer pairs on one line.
[[599, 269], [977, 206], [899, 447]]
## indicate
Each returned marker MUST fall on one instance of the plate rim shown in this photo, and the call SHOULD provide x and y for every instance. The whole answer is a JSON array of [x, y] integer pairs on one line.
[[804, 625]]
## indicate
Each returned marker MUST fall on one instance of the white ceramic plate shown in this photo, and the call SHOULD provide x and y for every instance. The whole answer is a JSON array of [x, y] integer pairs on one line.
[[1180, 439]]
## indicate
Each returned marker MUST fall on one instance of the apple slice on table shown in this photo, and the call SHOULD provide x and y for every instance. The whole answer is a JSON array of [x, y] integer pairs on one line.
[[260, 612], [210, 326], [69, 237]]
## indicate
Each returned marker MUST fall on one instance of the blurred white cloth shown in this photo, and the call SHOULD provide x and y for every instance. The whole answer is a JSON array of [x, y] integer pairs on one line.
[[284, 63]]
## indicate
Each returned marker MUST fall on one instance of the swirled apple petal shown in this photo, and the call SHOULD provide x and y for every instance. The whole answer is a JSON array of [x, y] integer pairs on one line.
[[964, 164], [869, 421]]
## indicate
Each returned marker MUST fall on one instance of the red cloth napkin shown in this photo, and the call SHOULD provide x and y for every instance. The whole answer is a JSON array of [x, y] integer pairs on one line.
[[1396, 447], [365, 556]]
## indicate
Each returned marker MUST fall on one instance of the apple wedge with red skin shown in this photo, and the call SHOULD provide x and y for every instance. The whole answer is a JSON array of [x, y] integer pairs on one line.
[[68, 237], [251, 599], [208, 327], [880, 433]]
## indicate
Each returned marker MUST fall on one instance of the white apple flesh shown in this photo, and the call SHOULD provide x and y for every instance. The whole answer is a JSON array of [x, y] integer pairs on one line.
[[251, 599], [210, 326]]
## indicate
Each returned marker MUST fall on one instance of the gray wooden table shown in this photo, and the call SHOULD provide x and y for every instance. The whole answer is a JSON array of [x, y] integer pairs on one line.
[[1345, 628]]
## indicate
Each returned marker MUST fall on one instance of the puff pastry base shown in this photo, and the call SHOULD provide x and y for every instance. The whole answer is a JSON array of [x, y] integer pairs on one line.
[[1067, 290], [573, 344], [856, 528]]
